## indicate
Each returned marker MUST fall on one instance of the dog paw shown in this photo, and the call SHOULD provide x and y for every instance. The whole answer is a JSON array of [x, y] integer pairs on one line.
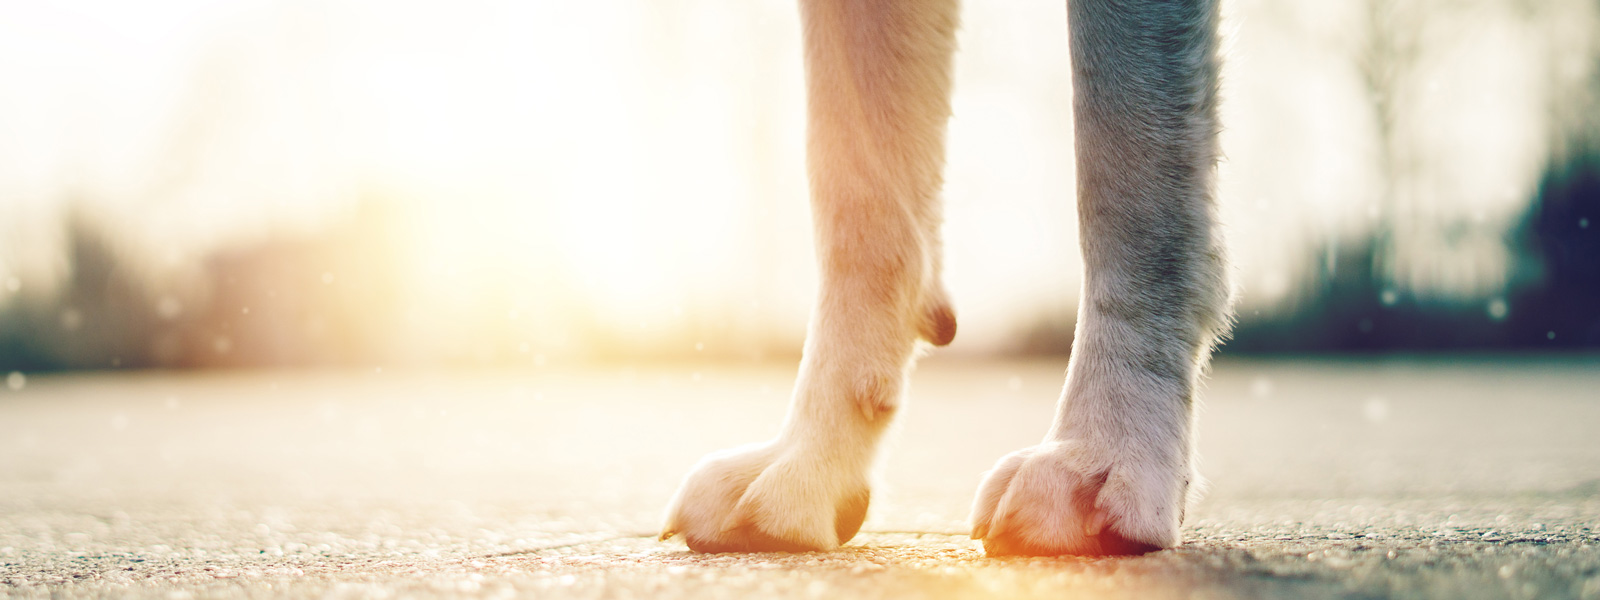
[[761, 498], [1066, 497]]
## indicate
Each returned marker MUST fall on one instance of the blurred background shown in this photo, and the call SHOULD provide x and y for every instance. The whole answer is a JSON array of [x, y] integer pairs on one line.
[[194, 183]]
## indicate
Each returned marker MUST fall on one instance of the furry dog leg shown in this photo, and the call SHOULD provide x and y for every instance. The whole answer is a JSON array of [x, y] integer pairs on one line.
[[1115, 472], [877, 84]]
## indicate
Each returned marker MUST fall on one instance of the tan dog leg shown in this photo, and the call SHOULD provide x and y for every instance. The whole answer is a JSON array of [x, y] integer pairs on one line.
[[878, 85]]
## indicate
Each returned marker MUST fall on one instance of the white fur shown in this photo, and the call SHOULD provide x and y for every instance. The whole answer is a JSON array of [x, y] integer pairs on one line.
[[1115, 471]]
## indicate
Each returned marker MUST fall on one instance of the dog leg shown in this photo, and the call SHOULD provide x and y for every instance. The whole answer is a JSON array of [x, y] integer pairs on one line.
[[878, 81], [1115, 472]]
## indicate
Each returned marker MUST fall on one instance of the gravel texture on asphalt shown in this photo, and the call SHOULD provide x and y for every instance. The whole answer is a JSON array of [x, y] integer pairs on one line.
[[1437, 478]]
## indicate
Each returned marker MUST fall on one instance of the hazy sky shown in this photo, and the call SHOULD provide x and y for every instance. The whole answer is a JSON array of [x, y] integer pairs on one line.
[[647, 156]]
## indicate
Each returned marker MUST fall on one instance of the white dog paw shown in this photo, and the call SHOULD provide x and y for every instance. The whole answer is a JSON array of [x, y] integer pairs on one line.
[[1066, 497], [760, 498]]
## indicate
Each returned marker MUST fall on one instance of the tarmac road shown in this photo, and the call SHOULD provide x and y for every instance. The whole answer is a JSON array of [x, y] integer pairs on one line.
[[1437, 478]]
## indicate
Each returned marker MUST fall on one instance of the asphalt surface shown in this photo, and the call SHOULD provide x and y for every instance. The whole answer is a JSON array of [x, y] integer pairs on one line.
[[1438, 478]]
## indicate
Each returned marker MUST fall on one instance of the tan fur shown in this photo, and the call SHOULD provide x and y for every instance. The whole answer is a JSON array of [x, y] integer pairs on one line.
[[878, 88]]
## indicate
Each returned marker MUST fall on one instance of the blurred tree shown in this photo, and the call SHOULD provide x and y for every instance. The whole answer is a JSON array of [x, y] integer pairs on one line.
[[1562, 307], [1556, 306]]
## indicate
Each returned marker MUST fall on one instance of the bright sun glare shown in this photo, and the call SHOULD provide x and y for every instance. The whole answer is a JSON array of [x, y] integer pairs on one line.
[[637, 167]]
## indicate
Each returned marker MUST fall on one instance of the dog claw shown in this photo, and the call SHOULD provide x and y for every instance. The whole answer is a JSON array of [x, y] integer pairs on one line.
[[1094, 523]]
